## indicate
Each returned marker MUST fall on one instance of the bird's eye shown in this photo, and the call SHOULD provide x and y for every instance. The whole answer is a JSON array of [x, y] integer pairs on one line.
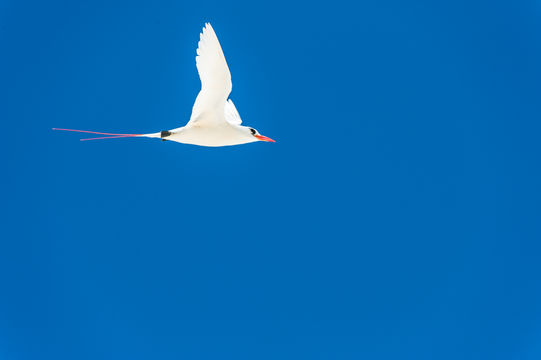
[[253, 131]]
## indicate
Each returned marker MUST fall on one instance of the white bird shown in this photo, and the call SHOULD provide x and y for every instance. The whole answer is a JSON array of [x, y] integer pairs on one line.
[[215, 121]]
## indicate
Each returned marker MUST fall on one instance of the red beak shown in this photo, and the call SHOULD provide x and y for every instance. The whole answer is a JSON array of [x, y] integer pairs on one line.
[[264, 138]]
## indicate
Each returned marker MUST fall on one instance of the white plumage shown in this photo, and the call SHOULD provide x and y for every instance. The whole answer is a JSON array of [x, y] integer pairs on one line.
[[214, 74], [215, 120]]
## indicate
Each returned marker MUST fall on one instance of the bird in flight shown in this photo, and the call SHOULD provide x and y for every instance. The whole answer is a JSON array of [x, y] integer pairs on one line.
[[215, 121]]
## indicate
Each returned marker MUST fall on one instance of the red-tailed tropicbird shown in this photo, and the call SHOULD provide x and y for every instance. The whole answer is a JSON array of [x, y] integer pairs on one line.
[[215, 121]]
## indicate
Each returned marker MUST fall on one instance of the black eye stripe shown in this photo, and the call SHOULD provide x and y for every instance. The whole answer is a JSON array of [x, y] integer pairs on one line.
[[253, 131]]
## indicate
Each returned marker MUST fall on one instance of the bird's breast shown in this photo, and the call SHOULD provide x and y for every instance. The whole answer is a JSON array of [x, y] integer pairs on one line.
[[224, 135]]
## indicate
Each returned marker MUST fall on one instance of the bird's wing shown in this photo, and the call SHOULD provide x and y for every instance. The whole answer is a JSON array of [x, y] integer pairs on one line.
[[231, 114], [215, 80]]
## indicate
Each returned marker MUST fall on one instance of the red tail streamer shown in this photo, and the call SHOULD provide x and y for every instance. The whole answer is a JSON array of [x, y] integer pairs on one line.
[[110, 135]]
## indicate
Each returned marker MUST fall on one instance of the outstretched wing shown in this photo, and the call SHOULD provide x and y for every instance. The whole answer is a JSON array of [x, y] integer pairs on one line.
[[231, 114], [215, 79]]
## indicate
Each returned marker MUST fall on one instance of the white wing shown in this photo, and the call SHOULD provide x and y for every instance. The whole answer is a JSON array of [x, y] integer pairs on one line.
[[231, 114], [215, 80]]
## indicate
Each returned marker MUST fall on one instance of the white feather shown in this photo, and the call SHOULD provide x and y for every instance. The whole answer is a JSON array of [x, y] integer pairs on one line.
[[231, 114], [215, 78]]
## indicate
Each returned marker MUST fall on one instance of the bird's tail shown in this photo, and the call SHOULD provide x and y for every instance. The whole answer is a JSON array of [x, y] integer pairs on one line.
[[109, 135]]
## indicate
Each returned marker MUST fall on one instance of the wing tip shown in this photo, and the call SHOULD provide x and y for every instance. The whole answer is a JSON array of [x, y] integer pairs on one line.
[[207, 28], [207, 38]]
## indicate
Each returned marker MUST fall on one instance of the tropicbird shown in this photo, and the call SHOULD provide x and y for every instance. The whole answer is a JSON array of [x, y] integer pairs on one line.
[[214, 121]]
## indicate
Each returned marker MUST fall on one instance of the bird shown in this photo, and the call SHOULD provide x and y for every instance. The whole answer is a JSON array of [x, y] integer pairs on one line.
[[215, 120]]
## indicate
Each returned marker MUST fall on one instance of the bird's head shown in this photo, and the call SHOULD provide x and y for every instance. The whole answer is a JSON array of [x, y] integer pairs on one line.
[[258, 136]]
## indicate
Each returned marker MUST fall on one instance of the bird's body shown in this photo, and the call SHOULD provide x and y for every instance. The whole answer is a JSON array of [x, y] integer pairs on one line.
[[214, 121], [220, 135], [223, 135]]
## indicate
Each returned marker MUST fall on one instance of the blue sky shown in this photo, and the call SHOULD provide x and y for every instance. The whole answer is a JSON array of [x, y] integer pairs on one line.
[[396, 217]]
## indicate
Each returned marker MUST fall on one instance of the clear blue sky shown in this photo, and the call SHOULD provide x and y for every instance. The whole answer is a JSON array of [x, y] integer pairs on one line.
[[396, 217]]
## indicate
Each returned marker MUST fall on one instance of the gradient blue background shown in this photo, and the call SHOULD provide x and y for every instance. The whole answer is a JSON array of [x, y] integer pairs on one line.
[[396, 217]]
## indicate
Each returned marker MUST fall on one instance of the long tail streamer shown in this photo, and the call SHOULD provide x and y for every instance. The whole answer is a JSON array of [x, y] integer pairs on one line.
[[110, 135]]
